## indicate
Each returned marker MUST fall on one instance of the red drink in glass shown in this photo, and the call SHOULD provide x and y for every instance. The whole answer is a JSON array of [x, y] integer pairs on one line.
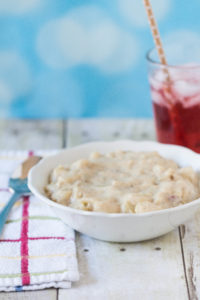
[[176, 104]]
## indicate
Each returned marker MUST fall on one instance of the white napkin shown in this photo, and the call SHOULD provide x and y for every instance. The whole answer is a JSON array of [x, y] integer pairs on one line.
[[37, 250]]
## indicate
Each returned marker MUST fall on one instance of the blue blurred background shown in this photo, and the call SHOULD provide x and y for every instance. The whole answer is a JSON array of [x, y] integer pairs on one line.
[[83, 58]]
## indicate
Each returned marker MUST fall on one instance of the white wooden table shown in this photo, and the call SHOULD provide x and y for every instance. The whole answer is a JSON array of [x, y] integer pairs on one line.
[[164, 268]]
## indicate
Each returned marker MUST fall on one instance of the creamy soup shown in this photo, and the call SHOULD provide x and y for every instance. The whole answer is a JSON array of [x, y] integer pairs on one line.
[[123, 182]]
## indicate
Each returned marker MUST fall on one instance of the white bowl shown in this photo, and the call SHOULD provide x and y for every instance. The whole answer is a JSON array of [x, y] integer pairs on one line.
[[117, 227]]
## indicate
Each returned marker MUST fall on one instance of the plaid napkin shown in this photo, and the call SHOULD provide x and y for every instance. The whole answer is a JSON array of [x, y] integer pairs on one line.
[[37, 250]]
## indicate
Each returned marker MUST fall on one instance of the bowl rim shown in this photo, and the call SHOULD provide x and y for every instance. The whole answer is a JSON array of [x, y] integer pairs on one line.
[[50, 202]]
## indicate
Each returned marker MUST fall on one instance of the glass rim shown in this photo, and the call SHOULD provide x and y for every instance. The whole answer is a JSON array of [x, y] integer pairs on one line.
[[159, 64]]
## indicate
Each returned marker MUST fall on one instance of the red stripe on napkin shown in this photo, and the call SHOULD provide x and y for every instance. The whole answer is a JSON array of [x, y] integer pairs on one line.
[[24, 238], [24, 242], [30, 153]]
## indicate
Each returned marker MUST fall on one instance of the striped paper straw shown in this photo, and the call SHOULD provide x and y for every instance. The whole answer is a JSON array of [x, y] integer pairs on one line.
[[156, 36]]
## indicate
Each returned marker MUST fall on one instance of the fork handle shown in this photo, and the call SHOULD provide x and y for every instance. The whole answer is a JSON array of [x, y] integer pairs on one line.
[[5, 211]]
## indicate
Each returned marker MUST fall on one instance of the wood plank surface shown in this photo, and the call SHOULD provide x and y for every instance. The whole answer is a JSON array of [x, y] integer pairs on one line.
[[50, 294], [147, 270], [190, 233], [22, 135], [29, 134], [85, 130]]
